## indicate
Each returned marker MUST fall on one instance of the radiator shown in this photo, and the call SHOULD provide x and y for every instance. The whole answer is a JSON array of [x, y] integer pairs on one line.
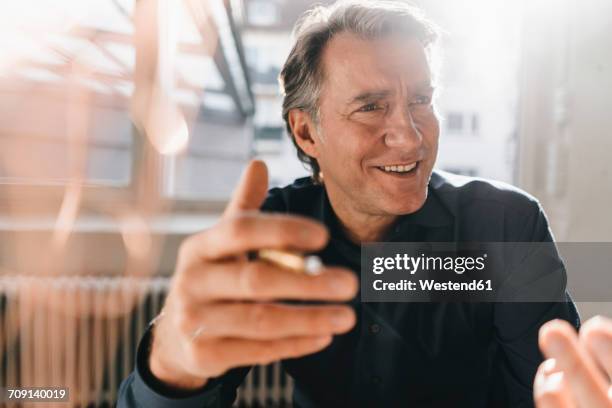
[[82, 333]]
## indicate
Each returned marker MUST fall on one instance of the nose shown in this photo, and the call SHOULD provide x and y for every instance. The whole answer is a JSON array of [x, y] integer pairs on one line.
[[402, 131]]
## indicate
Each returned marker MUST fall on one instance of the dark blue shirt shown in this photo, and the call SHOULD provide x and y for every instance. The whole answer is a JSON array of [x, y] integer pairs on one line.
[[406, 354]]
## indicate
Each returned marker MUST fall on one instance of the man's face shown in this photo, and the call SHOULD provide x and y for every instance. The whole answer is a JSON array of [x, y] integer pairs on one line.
[[376, 121]]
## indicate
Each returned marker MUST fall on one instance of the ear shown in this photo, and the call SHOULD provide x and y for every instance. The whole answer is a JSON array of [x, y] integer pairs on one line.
[[304, 132]]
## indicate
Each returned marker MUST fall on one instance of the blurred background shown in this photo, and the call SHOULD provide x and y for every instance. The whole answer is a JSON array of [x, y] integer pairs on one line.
[[125, 124]]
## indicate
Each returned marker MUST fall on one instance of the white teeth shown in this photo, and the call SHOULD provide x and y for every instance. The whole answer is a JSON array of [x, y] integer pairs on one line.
[[400, 169]]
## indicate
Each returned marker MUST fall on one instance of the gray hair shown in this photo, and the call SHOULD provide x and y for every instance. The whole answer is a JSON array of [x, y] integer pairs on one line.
[[302, 75]]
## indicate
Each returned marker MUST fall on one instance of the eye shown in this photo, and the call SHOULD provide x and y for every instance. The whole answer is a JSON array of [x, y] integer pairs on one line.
[[421, 100], [370, 107]]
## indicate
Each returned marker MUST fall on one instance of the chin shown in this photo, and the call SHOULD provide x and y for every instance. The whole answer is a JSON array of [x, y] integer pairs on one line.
[[404, 205]]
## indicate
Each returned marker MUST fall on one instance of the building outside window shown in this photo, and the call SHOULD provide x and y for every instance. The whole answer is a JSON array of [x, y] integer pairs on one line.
[[454, 122], [263, 12], [475, 124]]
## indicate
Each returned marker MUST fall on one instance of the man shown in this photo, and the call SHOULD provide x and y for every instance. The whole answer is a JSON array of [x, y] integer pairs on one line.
[[359, 107]]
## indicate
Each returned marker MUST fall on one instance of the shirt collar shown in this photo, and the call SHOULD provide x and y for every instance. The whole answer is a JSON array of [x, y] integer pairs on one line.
[[432, 214]]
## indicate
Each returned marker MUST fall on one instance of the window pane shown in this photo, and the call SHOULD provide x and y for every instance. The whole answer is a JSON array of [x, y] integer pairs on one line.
[[45, 128], [454, 122], [268, 133], [475, 124], [213, 162], [262, 12]]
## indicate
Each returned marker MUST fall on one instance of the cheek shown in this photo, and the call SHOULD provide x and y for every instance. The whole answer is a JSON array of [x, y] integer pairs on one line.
[[429, 126], [346, 151]]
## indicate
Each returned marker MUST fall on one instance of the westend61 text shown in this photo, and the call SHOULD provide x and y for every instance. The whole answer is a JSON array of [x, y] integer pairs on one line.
[[431, 285]]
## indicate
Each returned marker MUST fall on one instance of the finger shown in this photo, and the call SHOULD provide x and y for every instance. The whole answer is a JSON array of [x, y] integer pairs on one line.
[[259, 280], [265, 321], [596, 337], [550, 389], [251, 231], [251, 189], [558, 340], [213, 357]]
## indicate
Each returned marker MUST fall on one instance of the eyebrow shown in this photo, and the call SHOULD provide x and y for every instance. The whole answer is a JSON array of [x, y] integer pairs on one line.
[[370, 96], [425, 86]]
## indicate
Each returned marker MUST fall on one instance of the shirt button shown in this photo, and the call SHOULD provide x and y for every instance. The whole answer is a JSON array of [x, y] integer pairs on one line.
[[374, 328]]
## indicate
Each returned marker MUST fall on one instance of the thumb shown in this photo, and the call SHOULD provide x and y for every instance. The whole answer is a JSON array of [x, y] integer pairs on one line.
[[251, 190]]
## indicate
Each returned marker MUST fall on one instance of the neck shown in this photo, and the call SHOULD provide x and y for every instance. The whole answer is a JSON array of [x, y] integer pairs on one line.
[[359, 226]]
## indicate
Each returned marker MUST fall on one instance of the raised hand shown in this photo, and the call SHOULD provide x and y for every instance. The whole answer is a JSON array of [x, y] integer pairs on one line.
[[222, 310], [579, 366]]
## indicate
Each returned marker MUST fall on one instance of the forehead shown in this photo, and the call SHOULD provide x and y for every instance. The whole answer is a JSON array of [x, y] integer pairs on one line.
[[351, 63]]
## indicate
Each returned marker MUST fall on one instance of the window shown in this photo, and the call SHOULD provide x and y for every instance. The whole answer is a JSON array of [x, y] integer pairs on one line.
[[268, 133], [264, 65], [263, 13], [66, 110], [454, 122], [51, 148], [64, 103], [475, 124]]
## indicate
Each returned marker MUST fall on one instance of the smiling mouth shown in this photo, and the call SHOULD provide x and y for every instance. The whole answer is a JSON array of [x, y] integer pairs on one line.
[[399, 169]]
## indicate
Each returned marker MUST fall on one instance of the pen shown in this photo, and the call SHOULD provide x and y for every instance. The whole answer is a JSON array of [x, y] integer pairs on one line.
[[294, 261]]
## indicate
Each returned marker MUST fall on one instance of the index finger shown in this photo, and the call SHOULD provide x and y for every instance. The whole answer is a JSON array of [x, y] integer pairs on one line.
[[251, 231], [251, 189]]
